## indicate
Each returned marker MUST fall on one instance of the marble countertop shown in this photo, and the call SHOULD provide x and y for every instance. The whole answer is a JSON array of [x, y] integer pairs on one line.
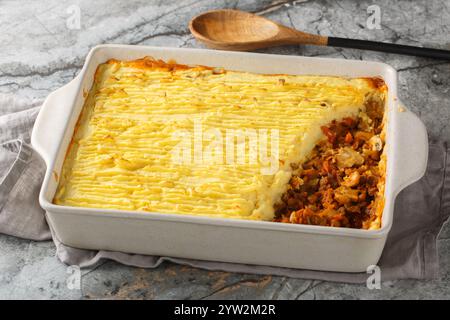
[[44, 44]]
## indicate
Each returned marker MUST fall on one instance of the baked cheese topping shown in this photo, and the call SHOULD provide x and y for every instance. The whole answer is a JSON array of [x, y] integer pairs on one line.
[[125, 153]]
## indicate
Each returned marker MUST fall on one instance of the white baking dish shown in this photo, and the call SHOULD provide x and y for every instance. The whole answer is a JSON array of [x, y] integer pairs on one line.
[[250, 242]]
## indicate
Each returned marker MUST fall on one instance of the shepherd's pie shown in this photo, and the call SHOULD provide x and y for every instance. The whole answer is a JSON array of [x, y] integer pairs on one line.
[[157, 136]]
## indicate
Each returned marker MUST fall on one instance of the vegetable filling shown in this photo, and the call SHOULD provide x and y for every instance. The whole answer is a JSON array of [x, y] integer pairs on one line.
[[340, 184]]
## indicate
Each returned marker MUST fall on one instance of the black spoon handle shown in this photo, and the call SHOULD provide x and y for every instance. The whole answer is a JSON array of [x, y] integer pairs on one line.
[[389, 47]]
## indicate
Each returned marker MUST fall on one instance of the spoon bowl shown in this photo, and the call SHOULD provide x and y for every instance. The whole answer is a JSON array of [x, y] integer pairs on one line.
[[238, 30]]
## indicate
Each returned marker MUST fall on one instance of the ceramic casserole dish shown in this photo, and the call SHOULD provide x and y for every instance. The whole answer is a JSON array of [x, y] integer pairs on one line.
[[221, 239]]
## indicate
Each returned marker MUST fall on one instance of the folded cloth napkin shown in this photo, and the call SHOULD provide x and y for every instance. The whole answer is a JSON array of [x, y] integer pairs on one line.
[[21, 170], [410, 251]]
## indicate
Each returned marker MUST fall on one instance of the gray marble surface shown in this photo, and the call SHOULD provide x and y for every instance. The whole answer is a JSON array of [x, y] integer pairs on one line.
[[43, 48]]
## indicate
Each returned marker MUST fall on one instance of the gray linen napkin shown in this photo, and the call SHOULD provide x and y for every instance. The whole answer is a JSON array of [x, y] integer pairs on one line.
[[410, 252], [21, 172]]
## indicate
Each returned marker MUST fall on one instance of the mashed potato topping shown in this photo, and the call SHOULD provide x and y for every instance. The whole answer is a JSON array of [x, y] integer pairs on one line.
[[168, 138]]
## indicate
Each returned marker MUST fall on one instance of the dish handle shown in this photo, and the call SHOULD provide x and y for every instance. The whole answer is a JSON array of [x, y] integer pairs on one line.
[[410, 160], [51, 121]]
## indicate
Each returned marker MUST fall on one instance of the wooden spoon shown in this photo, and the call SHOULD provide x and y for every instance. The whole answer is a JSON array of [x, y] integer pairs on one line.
[[242, 31]]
